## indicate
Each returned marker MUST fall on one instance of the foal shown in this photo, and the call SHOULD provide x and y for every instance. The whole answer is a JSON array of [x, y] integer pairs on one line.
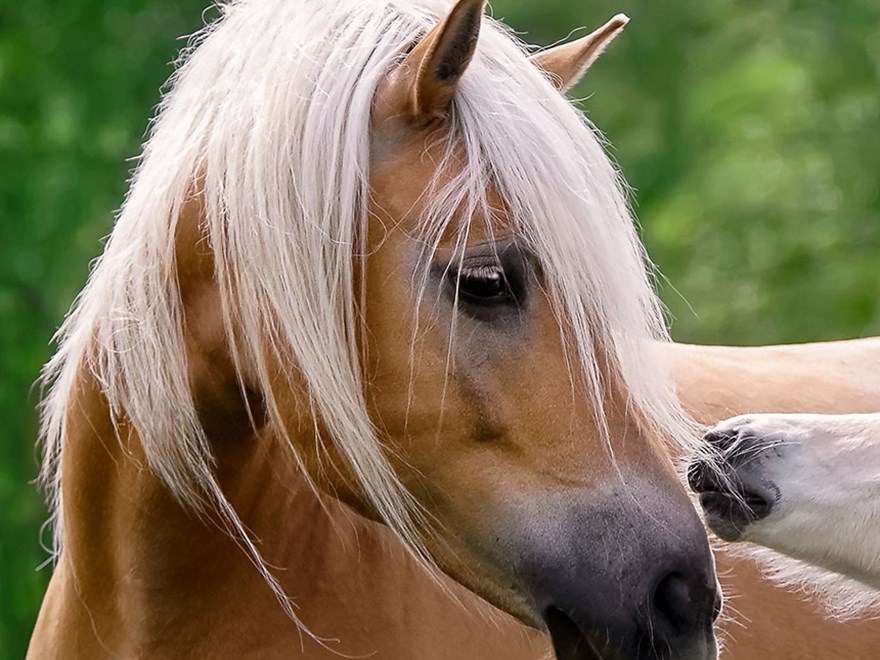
[[806, 485]]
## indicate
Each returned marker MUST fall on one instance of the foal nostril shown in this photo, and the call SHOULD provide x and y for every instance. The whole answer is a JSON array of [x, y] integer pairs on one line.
[[701, 477], [720, 440], [680, 604]]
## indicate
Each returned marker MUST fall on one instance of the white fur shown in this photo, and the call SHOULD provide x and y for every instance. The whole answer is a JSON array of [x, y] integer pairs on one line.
[[271, 107], [827, 471]]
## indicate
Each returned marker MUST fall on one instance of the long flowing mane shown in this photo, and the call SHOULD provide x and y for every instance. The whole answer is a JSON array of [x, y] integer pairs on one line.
[[268, 121]]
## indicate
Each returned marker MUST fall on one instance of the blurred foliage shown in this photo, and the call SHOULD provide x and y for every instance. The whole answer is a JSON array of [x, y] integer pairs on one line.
[[748, 131]]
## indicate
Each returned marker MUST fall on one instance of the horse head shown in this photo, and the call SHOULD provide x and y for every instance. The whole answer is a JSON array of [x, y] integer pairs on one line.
[[381, 242]]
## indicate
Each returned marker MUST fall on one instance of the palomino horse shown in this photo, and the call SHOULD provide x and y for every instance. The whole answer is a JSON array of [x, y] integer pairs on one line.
[[369, 258]]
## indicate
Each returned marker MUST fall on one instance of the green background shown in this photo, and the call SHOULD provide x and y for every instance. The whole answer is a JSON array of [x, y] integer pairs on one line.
[[747, 129]]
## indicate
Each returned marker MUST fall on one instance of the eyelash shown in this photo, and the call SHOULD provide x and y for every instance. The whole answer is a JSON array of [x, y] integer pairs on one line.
[[483, 285]]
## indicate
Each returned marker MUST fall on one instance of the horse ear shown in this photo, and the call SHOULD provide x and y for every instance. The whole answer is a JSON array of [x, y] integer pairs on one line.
[[568, 63], [424, 85]]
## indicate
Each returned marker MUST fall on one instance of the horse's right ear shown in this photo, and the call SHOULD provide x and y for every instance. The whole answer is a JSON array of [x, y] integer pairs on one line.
[[566, 64], [423, 86]]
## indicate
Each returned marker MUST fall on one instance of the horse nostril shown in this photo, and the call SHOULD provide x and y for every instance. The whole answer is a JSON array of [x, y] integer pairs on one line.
[[696, 475], [671, 600], [680, 603], [702, 477], [569, 642], [721, 441], [717, 606]]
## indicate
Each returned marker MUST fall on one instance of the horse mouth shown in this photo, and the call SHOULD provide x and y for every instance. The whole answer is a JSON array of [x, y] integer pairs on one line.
[[569, 641], [730, 514]]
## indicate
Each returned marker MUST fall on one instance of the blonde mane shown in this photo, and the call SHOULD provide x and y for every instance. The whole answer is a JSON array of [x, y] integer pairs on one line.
[[269, 111]]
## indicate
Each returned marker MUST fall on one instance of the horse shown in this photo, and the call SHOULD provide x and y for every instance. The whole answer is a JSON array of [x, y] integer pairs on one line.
[[372, 261], [805, 485], [778, 607]]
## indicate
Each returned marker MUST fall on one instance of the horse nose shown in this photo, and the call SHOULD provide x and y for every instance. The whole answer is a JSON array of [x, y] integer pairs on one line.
[[681, 601], [681, 606], [636, 583], [733, 491]]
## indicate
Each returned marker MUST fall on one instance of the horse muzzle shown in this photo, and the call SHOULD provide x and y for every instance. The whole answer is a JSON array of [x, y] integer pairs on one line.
[[734, 491], [626, 582]]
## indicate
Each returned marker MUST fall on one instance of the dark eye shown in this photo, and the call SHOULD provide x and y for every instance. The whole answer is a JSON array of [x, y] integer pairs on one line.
[[489, 281], [486, 284]]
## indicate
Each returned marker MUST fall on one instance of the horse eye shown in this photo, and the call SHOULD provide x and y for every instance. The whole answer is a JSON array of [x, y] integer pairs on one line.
[[489, 282], [484, 283]]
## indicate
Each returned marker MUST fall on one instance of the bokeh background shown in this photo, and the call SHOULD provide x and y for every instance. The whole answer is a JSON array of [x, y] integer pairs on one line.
[[748, 130]]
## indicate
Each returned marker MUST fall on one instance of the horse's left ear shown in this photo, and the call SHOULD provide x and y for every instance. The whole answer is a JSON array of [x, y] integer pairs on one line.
[[424, 85], [568, 63]]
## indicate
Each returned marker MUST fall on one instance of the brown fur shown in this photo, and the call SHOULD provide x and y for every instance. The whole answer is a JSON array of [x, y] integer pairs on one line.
[[382, 590]]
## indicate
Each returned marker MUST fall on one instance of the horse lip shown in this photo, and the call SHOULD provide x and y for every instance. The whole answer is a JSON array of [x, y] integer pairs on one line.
[[569, 641], [713, 503], [759, 505], [748, 504], [730, 514]]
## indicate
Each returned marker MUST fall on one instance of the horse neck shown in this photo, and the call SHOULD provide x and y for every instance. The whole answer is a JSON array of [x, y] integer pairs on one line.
[[140, 575], [142, 564]]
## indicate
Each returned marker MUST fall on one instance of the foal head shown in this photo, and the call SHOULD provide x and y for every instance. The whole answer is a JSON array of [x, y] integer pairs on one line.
[[431, 292]]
